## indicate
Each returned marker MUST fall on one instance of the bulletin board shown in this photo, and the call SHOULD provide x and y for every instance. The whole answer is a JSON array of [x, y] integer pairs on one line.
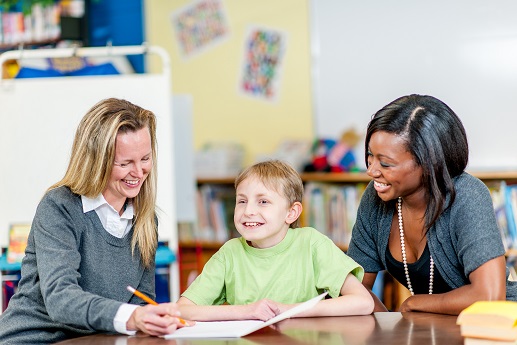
[[464, 52]]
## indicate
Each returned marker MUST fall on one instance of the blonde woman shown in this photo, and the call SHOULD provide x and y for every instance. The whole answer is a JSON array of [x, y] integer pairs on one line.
[[93, 234]]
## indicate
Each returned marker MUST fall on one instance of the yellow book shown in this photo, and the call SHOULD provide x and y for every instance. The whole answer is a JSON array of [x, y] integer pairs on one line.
[[489, 320], [478, 341], [18, 235]]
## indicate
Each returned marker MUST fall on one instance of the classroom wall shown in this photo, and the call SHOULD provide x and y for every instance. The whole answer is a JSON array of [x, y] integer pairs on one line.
[[463, 52], [220, 113], [360, 55]]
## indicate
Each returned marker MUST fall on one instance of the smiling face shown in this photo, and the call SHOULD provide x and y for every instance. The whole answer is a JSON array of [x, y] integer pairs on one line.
[[262, 215], [133, 162], [393, 168]]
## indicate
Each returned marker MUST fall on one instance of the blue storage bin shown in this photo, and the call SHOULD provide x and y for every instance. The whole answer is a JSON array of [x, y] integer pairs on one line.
[[164, 257]]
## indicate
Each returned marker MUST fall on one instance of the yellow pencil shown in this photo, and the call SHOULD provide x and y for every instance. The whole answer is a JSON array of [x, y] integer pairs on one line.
[[150, 301]]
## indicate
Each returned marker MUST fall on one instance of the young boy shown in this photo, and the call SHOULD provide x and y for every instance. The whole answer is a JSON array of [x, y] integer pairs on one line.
[[274, 265]]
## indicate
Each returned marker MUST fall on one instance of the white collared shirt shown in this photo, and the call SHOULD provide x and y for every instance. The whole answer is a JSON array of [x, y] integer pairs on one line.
[[115, 224], [118, 226]]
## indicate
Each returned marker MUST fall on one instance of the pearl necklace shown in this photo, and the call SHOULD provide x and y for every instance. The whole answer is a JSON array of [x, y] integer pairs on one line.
[[403, 248]]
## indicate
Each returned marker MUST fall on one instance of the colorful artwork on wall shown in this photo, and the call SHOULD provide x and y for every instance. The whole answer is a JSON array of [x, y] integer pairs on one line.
[[264, 50], [199, 25]]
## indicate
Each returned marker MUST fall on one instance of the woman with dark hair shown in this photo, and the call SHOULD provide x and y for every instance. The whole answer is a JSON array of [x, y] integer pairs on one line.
[[424, 219]]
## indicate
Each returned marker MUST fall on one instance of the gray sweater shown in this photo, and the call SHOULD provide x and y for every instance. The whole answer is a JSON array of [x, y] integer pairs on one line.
[[74, 275], [463, 238]]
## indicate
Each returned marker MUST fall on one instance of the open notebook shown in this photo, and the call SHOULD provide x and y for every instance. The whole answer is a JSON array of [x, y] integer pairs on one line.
[[236, 329]]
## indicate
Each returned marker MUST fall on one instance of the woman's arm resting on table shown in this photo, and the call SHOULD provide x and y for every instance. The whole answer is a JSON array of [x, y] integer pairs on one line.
[[487, 283]]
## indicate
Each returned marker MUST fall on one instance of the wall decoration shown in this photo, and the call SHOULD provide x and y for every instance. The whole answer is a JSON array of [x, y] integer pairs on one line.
[[199, 25], [264, 50]]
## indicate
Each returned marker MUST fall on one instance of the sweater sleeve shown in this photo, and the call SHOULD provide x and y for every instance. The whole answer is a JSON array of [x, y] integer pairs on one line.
[[56, 236], [474, 226]]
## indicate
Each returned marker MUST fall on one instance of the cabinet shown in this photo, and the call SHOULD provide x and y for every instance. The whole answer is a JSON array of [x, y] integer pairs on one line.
[[198, 243]]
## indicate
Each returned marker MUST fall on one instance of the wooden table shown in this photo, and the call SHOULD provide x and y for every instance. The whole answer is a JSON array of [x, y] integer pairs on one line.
[[380, 328]]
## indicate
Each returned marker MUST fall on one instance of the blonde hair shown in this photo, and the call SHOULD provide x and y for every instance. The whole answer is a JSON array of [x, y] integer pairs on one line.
[[278, 176], [91, 163]]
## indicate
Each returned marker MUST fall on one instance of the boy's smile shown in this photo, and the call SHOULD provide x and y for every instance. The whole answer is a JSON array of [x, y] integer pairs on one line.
[[260, 214], [252, 224]]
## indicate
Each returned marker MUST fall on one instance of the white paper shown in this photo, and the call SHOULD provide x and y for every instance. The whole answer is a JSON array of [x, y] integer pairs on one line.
[[236, 329]]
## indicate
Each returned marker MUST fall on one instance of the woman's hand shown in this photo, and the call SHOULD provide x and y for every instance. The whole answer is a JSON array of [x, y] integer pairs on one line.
[[156, 320], [405, 305]]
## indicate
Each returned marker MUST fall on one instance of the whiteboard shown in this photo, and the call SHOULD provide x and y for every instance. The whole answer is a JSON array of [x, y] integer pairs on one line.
[[464, 52], [185, 177], [39, 119]]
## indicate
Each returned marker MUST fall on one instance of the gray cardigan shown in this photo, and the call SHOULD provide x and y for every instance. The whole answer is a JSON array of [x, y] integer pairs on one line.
[[74, 275], [463, 238]]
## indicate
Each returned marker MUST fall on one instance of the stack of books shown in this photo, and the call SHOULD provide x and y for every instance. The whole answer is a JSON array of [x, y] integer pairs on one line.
[[489, 322]]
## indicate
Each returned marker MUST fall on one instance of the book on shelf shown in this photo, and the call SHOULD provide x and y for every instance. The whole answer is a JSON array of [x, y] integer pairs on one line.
[[504, 198], [498, 191], [511, 208], [492, 320], [215, 207], [41, 24], [332, 209], [315, 211], [1, 28], [18, 236], [337, 221], [202, 227]]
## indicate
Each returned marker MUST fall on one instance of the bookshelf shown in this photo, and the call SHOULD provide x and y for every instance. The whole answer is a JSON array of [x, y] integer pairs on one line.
[[195, 252], [39, 23]]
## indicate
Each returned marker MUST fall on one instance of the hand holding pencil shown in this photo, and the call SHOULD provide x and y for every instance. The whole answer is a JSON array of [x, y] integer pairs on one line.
[[165, 318]]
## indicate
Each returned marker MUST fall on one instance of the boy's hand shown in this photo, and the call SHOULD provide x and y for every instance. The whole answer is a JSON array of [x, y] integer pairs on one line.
[[264, 310], [156, 320]]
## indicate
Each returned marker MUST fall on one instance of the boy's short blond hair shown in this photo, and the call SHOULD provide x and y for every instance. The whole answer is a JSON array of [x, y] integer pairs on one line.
[[278, 176]]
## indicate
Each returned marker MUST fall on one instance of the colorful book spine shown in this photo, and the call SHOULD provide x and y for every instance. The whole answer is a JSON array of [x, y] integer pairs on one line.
[[510, 213]]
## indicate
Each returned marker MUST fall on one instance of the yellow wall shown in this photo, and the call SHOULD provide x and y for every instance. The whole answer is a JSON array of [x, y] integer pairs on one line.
[[220, 113]]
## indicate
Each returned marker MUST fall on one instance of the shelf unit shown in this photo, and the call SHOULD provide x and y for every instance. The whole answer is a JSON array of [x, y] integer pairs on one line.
[[194, 254], [352, 177], [42, 23]]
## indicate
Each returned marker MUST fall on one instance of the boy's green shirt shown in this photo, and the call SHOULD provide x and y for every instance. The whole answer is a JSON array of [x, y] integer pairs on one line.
[[305, 264]]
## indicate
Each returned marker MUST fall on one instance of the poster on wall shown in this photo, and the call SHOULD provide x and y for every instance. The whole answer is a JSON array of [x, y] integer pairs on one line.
[[199, 26], [261, 67]]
